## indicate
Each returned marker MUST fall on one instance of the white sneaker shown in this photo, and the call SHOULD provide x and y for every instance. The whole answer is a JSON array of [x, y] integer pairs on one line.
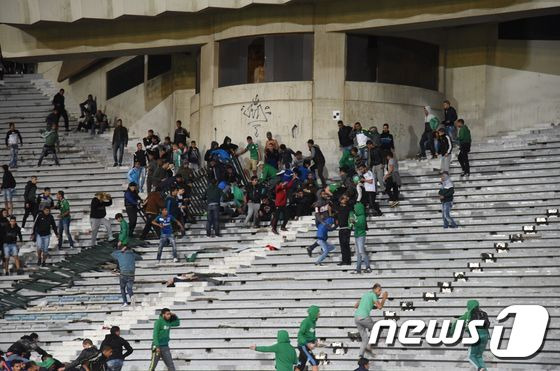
[[175, 260], [132, 300], [124, 305], [23, 229]]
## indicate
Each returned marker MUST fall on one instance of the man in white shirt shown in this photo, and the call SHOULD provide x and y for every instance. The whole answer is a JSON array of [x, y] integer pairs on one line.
[[370, 189]]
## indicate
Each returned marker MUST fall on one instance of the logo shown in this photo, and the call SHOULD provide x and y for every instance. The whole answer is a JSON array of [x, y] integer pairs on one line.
[[526, 337]]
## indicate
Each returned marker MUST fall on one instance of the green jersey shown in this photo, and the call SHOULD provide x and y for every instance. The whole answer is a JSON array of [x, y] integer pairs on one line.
[[367, 302], [253, 149]]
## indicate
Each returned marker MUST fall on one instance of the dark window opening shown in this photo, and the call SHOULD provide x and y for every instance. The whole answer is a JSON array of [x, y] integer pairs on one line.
[[268, 58], [392, 60], [125, 77], [158, 64], [536, 28]]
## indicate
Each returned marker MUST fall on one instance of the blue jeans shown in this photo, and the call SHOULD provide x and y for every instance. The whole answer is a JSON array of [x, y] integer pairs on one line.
[[213, 220], [64, 226], [363, 152], [43, 243], [163, 240], [141, 179], [446, 214], [326, 247], [13, 155], [115, 364], [118, 147], [361, 253], [450, 131], [10, 249], [126, 283]]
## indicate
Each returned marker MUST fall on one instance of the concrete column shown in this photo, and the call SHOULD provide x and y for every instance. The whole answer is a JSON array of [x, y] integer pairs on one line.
[[329, 62], [204, 133]]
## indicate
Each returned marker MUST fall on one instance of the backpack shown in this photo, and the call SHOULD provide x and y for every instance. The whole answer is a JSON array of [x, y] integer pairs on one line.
[[479, 314]]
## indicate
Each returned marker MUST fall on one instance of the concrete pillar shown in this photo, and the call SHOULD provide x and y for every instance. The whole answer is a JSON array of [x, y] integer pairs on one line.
[[329, 62], [204, 133]]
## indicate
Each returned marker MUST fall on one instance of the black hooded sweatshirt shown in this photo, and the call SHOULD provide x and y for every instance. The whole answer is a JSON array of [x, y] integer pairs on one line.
[[117, 343]]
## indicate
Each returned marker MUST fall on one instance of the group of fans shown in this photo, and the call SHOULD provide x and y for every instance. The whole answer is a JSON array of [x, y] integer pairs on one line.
[[278, 184]]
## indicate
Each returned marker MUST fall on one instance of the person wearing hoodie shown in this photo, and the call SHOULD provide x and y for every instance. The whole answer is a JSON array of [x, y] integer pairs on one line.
[[475, 350], [370, 300], [363, 364], [446, 197], [431, 123], [464, 138], [160, 341], [322, 235], [30, 199], [358, 220], [285, 353], [117, 343], [307, 340], [88, 353], [280, 201]]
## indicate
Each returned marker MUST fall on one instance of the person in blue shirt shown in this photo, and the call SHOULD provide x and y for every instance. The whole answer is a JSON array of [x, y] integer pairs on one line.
[[164, 222], [127, 266], [322, 235]]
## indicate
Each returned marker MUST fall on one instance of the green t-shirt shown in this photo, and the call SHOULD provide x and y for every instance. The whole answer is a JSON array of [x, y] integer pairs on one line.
[[253, 149], [64, 207], [367, 303]]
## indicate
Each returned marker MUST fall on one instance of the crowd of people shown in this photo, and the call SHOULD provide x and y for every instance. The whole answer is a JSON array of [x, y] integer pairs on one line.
[[277, 185]]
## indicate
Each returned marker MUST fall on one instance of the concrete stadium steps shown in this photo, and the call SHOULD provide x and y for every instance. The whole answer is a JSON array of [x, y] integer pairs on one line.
[[514, 180]]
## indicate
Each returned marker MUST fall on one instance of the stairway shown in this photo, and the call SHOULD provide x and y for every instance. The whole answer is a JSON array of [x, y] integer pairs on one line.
[[514, 181]]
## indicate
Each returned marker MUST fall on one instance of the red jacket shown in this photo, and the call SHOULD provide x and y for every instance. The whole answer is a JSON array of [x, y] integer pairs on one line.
[[282, 193]]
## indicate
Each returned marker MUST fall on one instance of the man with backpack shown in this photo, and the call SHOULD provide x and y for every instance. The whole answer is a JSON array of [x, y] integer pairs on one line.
[[13, 141], [476, 350]]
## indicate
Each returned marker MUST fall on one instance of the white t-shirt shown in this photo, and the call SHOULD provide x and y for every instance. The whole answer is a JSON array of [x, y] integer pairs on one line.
[[369, 187], [361, 139]]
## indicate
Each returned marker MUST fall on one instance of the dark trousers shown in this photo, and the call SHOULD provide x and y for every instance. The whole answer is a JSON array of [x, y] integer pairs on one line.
[[31, 209], [132, 212], [46, 151], [463, 157], [427, 142], [281, 211], [118, 147], [392, 190], [62, 112], [149, 219], [213, 219], [344, 239], [320, 168], [370, 199]]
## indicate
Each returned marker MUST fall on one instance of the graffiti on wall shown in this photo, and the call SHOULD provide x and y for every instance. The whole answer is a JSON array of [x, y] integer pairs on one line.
[[256, 114]]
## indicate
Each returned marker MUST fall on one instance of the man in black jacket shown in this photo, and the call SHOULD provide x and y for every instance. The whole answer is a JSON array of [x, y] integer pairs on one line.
[[344, 232], [42, 234], [30, 199], [375, 163], [253, 198], [58, 103], [450, 116], [120, 140], [11, 234], [318, 160], [117, 343], [25, 345], [88, 106], [91, 357], [181, 134], [97, 215], [387, 142], [344, 136]]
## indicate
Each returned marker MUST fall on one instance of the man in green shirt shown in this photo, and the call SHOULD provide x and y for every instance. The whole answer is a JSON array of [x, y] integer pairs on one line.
[[285, 353], [64, 219], [160, 340], [362, 317], [307, 340], [51, 144], [253, 149], [123, 233], [464, 138]]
